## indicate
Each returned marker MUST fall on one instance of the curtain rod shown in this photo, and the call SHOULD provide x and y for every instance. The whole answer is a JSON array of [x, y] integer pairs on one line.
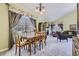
[[10, 6], [19, 10]]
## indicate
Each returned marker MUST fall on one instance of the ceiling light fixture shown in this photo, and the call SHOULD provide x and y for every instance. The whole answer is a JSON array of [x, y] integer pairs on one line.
[[40, 9]]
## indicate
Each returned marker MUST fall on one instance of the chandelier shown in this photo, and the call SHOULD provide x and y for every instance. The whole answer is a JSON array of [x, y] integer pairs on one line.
[[40, 9]]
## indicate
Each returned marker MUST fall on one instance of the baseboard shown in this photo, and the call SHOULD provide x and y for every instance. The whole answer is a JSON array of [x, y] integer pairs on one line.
[[2, 50]]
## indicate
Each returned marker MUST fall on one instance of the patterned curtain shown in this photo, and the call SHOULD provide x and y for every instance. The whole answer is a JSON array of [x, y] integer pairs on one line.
[[33, 21], [13, 20]]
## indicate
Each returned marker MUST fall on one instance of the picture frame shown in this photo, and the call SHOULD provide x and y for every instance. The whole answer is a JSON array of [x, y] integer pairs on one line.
[[72, 27]]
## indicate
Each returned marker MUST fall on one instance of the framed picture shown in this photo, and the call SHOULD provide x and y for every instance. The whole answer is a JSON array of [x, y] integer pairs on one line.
[[73, 27]]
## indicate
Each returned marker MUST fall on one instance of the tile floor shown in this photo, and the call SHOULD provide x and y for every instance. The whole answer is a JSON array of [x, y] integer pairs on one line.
[[53, 48]]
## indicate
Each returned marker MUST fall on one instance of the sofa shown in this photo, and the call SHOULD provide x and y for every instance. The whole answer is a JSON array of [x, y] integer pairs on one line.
[[64, 35], [70, 33]]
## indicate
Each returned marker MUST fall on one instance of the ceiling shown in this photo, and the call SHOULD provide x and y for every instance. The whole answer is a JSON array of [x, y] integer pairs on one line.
[[53, 10]]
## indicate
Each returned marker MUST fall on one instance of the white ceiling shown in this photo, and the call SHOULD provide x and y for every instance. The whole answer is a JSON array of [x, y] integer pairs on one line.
[[53, 10]]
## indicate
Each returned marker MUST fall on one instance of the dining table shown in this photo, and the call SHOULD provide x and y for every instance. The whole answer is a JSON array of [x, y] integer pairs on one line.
[[31, 40]]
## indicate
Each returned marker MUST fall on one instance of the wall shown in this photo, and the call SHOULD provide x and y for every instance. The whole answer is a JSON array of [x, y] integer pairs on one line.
[[70, 18], [4, 27]]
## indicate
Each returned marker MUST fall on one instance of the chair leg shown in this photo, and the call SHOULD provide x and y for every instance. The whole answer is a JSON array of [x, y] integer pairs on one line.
[[15, 50], [19, 51], [45, 41], [29, 49], [34, 48], [40, 45]]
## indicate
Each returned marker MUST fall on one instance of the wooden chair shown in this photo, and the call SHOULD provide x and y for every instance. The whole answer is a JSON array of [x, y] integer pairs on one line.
[[19, 43], [42, 39], [29, 42]]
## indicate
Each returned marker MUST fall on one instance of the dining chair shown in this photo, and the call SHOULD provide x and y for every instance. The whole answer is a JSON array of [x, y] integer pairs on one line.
[[19, 43]]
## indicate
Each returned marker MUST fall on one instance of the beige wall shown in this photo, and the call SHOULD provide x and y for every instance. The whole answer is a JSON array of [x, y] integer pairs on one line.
[[4, 28], [70, 18]]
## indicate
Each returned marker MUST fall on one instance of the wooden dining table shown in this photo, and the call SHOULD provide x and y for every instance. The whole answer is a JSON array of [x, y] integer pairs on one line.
[[39, 37]]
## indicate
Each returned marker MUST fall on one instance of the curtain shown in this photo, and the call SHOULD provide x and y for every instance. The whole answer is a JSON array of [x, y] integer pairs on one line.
[[33, 21], [13, 20]]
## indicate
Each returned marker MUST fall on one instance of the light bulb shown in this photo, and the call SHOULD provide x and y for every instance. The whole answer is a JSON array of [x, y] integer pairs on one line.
[[43, 10], [41, 13]]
